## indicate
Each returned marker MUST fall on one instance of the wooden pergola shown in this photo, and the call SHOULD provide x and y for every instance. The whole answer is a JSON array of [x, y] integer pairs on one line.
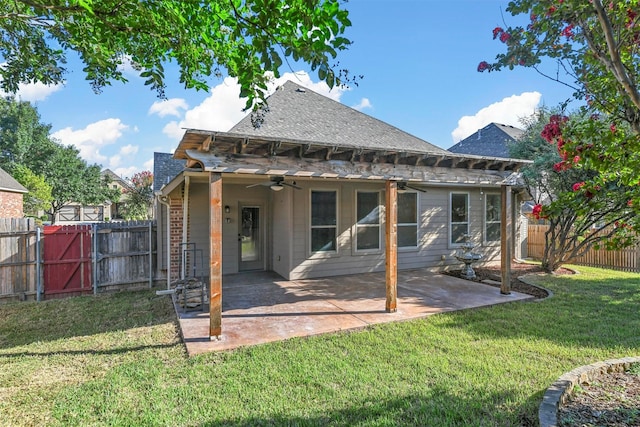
[[219, 153]]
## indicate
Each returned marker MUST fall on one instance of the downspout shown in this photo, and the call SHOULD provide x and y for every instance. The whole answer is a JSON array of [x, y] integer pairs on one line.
[[165, 200], [185, 222]]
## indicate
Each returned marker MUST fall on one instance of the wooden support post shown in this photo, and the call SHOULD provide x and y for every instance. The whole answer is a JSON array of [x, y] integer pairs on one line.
[[506, 242], [391, 251], [215, 257]]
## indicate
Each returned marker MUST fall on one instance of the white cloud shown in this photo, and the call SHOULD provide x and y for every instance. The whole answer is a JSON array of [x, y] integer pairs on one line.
[[90, 139], [364, 103], [129, 149], [169, 107], [509, 111], [127, 172], [222, 109], [33, 92]]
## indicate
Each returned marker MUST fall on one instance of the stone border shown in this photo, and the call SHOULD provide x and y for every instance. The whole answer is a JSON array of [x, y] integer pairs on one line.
[[562, 389], [525, 279]]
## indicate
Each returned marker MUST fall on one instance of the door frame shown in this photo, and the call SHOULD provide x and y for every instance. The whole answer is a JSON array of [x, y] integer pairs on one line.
[[261, 263]]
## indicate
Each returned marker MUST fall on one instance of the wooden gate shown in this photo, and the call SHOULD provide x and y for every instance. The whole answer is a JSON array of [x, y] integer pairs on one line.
[[67, 259]]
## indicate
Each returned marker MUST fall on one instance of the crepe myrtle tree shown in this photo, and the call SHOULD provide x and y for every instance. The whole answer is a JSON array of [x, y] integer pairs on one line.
[[581, 210], [242, 38], [595, 48], [137, 200]]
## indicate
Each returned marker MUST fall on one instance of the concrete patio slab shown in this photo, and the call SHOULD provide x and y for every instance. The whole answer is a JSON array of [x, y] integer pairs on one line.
[[263, 307]]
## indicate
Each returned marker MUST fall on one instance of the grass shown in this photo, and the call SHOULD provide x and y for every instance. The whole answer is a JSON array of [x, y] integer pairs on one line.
[[117, 360]]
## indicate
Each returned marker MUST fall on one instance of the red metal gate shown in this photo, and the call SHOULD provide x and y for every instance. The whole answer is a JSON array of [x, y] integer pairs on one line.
[[67, 259]]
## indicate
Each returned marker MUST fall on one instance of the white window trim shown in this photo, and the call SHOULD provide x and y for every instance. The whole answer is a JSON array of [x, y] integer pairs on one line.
[[486, 242], [466, 193], [380, 225], [417, 224], [311, 227]]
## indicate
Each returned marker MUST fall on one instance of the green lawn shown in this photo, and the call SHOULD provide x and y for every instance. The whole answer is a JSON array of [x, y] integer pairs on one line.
[[116, 360]]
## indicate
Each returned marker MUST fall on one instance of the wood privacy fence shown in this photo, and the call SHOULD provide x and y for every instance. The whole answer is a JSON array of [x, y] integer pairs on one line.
[[53, 261], [627, 259]]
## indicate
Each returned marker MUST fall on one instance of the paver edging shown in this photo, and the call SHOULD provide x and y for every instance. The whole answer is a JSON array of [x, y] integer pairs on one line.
[[562, 389]]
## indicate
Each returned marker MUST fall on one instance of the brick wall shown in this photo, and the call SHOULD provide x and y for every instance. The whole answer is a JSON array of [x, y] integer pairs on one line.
[[11, 205], [175, 236]]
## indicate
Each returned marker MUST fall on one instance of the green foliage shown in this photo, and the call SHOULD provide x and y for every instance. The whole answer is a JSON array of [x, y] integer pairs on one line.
[[27, 150], [39, 197], [136, 204], [243, 38], [596, 48], [581, 208]]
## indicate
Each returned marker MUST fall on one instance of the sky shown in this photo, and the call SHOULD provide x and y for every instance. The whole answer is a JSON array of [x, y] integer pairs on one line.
[[419, 63]]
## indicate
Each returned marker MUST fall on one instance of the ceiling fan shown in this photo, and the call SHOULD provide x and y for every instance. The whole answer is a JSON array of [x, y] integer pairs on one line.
[[276, 183], [403, 186]]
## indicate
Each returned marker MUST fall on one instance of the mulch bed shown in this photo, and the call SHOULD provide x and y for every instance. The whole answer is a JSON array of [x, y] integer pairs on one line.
[[612, 401], [493, 272]]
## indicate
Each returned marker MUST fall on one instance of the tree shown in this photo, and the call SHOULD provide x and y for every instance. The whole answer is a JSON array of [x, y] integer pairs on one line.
[[73, 180], [39, 198], [578, 214], [27, 150], [596, 50], [137, 200], [204, 38]]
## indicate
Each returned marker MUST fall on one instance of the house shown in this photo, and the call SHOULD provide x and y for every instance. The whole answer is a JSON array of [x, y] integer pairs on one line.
[[492, 140], [313, 192], [11, 193], [73, 212], [165, 168]]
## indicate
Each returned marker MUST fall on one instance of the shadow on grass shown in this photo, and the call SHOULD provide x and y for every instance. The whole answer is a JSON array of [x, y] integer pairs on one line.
[[112, 351], [437, 408], [33, 322]]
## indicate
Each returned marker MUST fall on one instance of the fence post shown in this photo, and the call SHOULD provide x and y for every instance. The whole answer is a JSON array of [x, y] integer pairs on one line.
[[38, 266], [94, 257], [150, 255]]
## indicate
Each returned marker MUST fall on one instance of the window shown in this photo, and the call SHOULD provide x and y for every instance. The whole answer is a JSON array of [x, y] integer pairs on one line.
[[367, 221], [459, 225], [323, 221], [407, 220], [492, 213]]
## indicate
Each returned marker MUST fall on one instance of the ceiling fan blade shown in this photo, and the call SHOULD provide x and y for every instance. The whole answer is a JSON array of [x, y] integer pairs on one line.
[[260, 183], [416, 188]]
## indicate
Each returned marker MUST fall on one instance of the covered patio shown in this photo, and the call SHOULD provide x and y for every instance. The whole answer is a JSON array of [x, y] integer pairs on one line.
[[263, 307]]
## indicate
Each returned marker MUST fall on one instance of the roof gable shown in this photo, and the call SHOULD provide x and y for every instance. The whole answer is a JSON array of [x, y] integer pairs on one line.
[[165, 168], [492, 140], [8, 183], [297, 113]]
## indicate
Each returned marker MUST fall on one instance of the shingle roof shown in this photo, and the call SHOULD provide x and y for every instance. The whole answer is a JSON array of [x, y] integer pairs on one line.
[[297, 113], [8, 183], [492, 140], [165, 168]]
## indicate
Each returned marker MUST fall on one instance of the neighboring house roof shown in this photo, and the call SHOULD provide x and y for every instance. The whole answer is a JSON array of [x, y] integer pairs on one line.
[[116, 178], [492, 140], [165, 168], [297, 113], [9, 184]]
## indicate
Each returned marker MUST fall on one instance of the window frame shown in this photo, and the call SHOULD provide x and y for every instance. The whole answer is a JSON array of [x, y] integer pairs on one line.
[[468, 216], [407, 224], [312, 227], [486, 241], [358, 226]]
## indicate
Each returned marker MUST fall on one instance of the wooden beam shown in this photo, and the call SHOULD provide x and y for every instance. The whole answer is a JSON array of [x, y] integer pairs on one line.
[[206, 144], [215, 258], [505, 240], [391, 250]]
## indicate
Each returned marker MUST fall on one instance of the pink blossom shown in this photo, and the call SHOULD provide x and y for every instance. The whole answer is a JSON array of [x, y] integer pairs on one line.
[[504, 37], [497, 31], [577, 186], [484, 65]]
